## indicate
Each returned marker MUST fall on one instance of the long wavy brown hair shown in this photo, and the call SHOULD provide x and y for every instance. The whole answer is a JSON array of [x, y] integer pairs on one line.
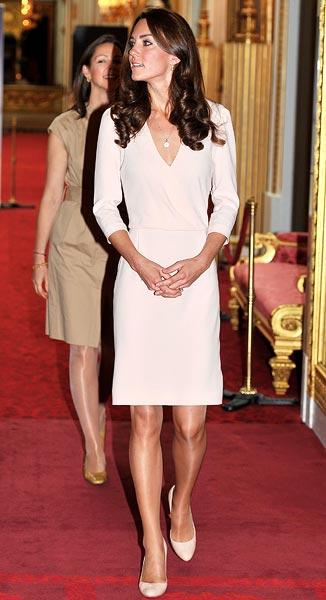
[[189, 109]]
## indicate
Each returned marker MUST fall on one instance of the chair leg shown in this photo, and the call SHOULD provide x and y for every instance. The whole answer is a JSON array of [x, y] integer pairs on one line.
[[234, 307], [282, 366]]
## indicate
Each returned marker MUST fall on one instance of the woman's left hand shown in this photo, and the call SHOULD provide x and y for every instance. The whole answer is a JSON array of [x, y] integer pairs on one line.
[[183, 273]]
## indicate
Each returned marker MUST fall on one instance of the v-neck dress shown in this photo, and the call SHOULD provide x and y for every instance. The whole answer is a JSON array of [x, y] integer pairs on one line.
[[166, 349]]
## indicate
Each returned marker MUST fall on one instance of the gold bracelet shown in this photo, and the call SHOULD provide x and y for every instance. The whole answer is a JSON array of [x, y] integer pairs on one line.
[[39, 265], [40, 253]]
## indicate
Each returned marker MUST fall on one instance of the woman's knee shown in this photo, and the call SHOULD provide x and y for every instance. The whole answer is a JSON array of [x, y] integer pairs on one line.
[[190, 430], [82, 354], [146, 421]]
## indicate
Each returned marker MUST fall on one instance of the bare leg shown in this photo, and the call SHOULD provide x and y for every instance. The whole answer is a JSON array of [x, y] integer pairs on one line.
[[83, 374], [189, 446], [102, 409], [145, 456]]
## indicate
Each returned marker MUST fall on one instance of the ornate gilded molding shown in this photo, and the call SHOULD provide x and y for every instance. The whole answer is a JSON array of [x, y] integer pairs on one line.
[[248, 17], [320, 387], [286, 321], [316, 305], [286, 324], [250, 20], [21, 98], [301, 283], [120, 13], [265, 246], [232, 19], [281, 366], [203, 38]]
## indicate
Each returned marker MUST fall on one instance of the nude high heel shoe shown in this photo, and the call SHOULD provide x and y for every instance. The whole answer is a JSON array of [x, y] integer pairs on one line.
[[185, 550], [151, 589]]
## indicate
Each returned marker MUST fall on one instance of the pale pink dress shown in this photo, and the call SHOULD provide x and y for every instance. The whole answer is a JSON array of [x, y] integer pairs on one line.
[[166, 350]]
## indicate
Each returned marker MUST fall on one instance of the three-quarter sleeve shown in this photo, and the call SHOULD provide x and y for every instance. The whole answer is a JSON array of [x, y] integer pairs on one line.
[[224, 184], [107, 185]]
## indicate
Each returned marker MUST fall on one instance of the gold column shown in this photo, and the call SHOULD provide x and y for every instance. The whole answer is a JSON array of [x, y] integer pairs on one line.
[[315, 346], [185, 8], [278, 102], [210, 56], [246, 93]]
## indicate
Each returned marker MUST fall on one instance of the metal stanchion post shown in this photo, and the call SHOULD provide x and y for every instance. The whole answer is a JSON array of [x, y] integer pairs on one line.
[[13, 161], [247, 388], [247, 393], [12, 202]]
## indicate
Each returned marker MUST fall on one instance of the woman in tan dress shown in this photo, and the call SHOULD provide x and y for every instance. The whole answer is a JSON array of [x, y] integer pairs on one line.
[[72, 279]]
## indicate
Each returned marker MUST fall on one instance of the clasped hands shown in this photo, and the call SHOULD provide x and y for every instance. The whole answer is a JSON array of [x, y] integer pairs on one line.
[[169, 282]]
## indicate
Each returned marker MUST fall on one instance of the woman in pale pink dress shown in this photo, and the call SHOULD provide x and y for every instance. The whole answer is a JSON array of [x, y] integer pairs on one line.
[[169, 149]]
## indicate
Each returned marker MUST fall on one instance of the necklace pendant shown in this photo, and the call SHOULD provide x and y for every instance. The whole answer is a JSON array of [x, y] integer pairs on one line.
[[166, 143]]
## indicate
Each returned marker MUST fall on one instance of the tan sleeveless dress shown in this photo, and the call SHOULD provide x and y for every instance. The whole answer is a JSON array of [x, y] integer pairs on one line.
[[77, 255]]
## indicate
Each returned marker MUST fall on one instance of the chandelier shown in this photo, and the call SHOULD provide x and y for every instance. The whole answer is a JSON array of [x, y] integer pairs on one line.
[[26, 9]]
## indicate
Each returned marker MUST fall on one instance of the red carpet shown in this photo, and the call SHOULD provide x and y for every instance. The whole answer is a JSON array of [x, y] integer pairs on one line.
[[260, 519], [259, 504]]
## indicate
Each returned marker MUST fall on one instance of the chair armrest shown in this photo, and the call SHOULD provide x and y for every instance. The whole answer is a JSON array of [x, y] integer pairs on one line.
[[301, 283], [265, 247]]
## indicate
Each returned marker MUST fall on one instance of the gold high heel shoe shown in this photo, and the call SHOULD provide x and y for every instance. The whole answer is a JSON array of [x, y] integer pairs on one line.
[[185, 550], [97, 478], [151, 589]]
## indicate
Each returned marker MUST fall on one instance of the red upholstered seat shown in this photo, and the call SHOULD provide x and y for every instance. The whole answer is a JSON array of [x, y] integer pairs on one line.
[[275, 284], [292, 254], [299, 237]]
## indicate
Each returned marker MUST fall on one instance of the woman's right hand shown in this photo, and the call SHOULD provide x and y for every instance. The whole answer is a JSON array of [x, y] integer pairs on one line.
[[151, 273], [40, 280]]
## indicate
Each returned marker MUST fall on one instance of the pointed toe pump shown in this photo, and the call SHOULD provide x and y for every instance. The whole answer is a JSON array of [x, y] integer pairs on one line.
[[185, 550], [99, 477], [151, 589]]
